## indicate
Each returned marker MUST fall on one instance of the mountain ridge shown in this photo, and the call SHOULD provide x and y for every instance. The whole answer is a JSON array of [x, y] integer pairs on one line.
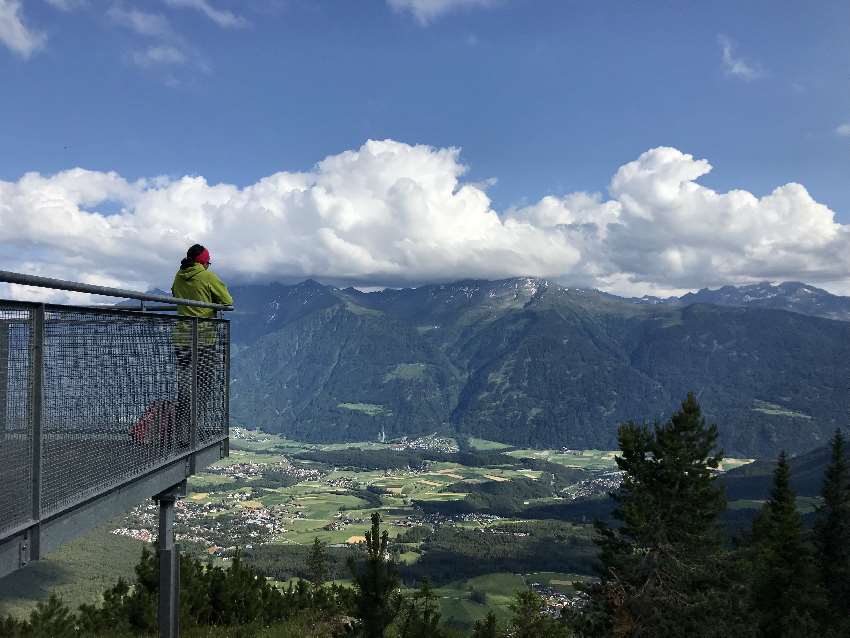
[[530, 362]]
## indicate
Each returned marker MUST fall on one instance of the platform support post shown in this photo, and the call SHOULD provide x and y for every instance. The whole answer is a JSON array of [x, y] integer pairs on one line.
[[169, 563], [4, 375]]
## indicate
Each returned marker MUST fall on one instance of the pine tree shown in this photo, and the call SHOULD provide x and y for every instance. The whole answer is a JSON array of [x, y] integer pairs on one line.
[[52, 619], [663, 567], [421, 615], [376, 601], [530, 619], [784, 584], [317, 563], [486, 628], [832, 536]]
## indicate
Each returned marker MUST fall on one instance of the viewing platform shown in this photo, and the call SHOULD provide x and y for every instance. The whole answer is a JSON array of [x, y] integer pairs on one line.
[[101, 408]]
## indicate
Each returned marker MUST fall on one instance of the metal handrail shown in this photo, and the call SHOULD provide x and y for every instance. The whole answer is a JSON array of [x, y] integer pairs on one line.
[[73, 286]]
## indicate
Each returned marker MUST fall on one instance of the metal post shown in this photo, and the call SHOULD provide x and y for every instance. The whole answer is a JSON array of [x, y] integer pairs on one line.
[[194, 409], [169, 564], [4, 375], [226, 451], [36, 385]]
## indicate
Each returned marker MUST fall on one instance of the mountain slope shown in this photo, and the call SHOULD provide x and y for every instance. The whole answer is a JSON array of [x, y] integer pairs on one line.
[[343, 372], [529, 362], [790, 295]]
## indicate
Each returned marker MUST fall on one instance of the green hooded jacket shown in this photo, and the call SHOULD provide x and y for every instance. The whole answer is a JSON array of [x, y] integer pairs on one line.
[[200, 284]]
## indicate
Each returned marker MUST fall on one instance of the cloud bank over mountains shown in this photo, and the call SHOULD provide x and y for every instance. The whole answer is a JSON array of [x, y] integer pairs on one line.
[[391, 213]]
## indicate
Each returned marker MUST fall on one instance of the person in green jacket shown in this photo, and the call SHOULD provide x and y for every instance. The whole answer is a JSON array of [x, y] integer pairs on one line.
[[194, 280]]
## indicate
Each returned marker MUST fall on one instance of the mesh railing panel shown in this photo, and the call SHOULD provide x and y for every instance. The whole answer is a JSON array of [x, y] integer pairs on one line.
[[117, 396], [15, 417], [212, 408]]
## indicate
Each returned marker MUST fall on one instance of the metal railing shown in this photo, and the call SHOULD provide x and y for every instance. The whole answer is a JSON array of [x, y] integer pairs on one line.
[[93, 399]]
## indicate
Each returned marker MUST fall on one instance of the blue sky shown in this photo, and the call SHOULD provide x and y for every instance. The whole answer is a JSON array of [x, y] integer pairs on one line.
[[547, 97]]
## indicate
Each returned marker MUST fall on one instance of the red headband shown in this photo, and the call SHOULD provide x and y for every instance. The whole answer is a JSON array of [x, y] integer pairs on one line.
[[204, 257]]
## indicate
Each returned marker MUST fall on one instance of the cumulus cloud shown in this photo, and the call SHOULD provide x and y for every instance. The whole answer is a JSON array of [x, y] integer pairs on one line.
[[393, 213], [222, 17], [734, 65], [15, 34], [426, 11]]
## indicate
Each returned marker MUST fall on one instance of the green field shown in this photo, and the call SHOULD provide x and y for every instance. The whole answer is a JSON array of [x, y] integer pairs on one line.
[[485, 445], [583, 459], [334, 506]]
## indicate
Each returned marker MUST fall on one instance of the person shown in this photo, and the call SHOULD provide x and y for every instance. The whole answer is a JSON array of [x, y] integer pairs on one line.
[[194, 280]]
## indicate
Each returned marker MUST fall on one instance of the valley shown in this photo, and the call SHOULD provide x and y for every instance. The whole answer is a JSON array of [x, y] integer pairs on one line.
[[480, 519]]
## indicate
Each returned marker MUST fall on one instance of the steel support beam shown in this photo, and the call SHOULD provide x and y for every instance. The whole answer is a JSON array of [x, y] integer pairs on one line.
[[226, 451], [67, 525], [35, 399], [4, 376], [169, 563], [193, 432]]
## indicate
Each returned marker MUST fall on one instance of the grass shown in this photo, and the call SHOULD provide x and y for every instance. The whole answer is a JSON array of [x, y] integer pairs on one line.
[[556, 580], [372, 409], [777, 410], [406, 372], [731, 463], [485, 445], [584, 459], [78, 572]]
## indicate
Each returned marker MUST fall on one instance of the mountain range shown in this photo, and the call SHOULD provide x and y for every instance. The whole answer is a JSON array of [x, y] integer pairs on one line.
[[530, 362]]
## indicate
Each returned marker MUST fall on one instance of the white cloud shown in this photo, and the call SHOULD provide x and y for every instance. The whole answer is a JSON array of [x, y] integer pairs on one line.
[[843, 129], [15, 34], [158, 55], [153, 25], [67, 5], [426, 11], [168, 51], [389, 212], [222, 17], [735, 65]]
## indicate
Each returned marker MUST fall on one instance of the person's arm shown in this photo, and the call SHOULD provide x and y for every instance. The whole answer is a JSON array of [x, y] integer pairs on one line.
[[219, 291]]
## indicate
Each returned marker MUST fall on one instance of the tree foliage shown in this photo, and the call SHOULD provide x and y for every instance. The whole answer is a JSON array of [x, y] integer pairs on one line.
[[784, 583], [660, 565], [376, 583], [832, 534], [531, 620]]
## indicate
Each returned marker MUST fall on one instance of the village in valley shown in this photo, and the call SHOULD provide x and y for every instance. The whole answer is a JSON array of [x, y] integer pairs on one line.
[[265, 493], [272, 491]]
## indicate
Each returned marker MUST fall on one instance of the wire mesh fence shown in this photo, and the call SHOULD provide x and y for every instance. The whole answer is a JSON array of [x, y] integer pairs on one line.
[[15, 417], [122, 393]]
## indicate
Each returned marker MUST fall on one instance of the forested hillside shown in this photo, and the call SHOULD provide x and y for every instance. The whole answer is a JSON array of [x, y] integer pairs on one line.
[[529, 362]]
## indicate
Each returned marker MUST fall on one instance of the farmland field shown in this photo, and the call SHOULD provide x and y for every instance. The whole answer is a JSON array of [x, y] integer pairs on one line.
[[457, 523]]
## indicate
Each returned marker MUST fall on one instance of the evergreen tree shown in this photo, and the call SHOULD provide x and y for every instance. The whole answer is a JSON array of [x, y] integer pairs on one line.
[[317, 563], [52, 619], [784, 584], [530, 619], [832, 536], [486, 628], [376, 600], [664, 567], [420, 616]]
